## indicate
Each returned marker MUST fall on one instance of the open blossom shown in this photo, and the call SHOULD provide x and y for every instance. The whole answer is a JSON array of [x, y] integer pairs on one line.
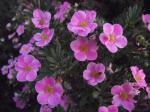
[[49, 91], [111, 108], [139, 76], [26, 49], [41, 18], [27, 67], [123, 96], [84, 49], [45, 108], [146, 20], [44, 38], [62, 11], [20, 30], [82, 23], [94, 74], [113, 37]]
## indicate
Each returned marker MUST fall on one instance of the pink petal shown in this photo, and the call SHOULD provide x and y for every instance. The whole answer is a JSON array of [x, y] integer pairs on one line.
[[90, 15], [37, 13], [118, 29], [100, 68], [121, 42], [21, 76], [102, 109], [92, 82], [93, 26], [101, 78], [87, 75], [116, 90], [39, 87], [116, 100], [80, 15], [75, 45], [91, 55], [108, 28], [113, 108], [37, 37], [103, 38], [149, 26], [127, 87], [134, 69], [146, 18], [59, 89], [42, 98], [80, 56], [128, 105], [54, 100], [111, 47], [91, 66], [31, 76]]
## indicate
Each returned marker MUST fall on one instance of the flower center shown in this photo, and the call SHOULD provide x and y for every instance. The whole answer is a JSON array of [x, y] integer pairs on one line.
[[124, 95], [95, 74], [28, 68], [44, 37], [138, 78], [83, 24], [49, 89], [111, 38], [41, 22], [84, 48]]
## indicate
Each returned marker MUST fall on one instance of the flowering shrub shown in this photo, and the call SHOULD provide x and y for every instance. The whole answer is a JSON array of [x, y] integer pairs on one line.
[[74, 60]]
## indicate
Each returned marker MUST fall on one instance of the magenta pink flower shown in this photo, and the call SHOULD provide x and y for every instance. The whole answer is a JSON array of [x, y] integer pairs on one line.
[[148, 91], [111, 108], [27, 67], [26, 49], [44, 38], [113, 37], [20, 30], [123, 96], [84, 49], [146, 20], [62, 11], [49, 91], [94, 74], [82, 23], [139, 76], [45, 108], [41, 19]]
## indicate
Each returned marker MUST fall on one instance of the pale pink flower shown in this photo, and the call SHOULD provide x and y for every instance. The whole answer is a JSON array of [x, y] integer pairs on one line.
[[95, 73], [49, 91], [44, 38], [111, 108], [27, 67], [4, 70], [64, 102], [113, 37], [123, 96], [26, 49], [62, 11], [41, 18], [82, 23], [45, 108], [139, 76], [84, 49], [20, 30], [148, 91]]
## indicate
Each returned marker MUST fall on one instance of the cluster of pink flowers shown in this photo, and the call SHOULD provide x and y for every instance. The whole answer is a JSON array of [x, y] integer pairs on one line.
[[146, 20], [9, 69], [63, 9]]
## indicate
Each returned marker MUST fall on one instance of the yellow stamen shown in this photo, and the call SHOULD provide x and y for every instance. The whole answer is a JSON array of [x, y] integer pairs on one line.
[[83, 24], [112, 38], [41, 22], [28, 68], [49, 89], [44, 37], [124, 95], [84, 48], [95, 74], [137, 78]]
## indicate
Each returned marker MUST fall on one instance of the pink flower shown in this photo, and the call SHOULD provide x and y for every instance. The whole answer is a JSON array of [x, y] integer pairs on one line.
[[82, 23], [148, 91], [41, 19], [27, 67], [84, 49], [94, 74], [113, 37], [139, 76], [44, 38], [49, 91], [26, 49], [146, 20], [45, 108], [123, 96], [4, 70], [20, 30], [111, 108], [62, 11]]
